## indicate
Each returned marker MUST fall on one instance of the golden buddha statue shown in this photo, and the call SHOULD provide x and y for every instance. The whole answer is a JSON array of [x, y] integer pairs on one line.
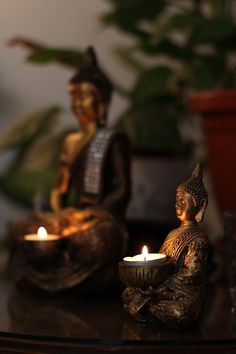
[[94, 175], [178, 300]]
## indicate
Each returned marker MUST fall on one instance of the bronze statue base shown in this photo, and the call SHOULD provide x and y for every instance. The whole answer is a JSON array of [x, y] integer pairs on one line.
[[85, 256]]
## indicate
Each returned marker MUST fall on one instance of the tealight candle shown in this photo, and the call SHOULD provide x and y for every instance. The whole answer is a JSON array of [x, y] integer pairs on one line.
[[42, 244], [144, 270], [145, 258], [41, 235]]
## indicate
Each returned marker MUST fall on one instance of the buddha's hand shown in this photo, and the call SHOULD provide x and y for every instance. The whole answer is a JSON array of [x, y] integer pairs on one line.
[[160, 290], [55, 199], [163, 292], [93, 214], [149, 292]]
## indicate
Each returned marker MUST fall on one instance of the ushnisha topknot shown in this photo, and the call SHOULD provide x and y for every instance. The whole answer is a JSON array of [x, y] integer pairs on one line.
[[195, 187], [91, 72]]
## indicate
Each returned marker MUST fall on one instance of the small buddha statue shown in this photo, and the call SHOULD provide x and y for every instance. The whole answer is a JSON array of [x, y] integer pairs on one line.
[[94, 177], [178, 300]]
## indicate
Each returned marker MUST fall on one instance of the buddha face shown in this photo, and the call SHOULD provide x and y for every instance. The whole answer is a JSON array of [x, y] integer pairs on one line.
[[186, 209], [86, 102]]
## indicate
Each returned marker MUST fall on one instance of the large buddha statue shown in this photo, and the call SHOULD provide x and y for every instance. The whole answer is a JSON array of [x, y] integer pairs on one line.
[[178, 300], [94, 177]]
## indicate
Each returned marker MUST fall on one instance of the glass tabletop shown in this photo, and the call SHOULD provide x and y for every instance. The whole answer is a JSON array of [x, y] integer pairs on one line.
[[103, 320]]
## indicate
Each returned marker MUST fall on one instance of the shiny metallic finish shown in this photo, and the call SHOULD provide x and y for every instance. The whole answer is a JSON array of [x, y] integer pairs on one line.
[[177, 301]]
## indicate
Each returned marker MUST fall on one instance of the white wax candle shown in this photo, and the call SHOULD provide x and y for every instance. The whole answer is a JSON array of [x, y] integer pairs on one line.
[[41, 235], [149, 257], [34, 237], [145, 258]]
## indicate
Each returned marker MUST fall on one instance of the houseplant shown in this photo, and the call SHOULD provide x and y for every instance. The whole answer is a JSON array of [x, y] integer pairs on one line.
[[198, 39], [178, 47]]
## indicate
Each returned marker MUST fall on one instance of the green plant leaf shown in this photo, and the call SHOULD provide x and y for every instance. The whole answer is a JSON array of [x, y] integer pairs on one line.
[[166, 47], [152, 127], [127, 15], [21, 185], [50, 55], [228, 44], [201, 76], [182, 22], [25, 130], [126, 55], [220, 7], [213, 30], [152, 82], [133, 11]]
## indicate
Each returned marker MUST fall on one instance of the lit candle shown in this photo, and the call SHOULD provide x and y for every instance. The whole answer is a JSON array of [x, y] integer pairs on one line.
[[145, 258], [41, 235]]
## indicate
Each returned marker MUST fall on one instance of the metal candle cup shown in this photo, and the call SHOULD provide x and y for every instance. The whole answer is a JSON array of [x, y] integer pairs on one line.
[[139, 273]]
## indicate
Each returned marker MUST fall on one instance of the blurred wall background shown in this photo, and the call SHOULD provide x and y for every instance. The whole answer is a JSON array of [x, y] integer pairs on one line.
[[75, 23]]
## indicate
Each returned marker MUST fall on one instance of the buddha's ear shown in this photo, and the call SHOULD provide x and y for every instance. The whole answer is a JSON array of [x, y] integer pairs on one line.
[[200, 214], [102, 114], [102, 109]]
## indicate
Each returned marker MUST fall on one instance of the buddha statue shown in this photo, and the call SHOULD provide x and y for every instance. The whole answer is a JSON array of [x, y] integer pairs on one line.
[[178, 300], [94, 177]]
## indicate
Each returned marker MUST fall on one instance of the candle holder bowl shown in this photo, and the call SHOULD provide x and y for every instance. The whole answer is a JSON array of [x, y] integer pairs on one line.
[[38, 250], [143, 276]]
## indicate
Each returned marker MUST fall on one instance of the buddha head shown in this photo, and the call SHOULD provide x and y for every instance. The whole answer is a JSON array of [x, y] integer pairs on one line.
[[191, 198], [90, 91]]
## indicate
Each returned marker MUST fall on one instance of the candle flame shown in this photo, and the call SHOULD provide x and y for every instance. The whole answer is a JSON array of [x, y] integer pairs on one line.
[[145, 252], [42, 233]]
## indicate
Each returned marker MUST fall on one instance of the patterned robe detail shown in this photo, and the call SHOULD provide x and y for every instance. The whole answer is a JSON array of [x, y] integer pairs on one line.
[[188, 250], [181, 303], [100, 175]]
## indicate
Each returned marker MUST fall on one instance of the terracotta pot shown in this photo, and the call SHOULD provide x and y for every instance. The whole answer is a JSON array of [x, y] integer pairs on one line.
[[218, 109]]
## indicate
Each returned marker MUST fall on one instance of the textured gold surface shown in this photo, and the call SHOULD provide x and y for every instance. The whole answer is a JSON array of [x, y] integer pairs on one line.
[[144, 276]]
